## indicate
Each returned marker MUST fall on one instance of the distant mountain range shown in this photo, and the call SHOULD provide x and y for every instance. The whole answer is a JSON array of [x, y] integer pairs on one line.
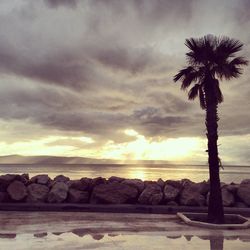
[[45, 159]]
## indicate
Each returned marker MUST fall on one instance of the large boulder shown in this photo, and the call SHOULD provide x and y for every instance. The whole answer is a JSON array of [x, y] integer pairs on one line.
[[137, 183], [115, 179], [97, 181], [82, 184], [5, 181], [170, 193], [37, 193], [240, 204], [113, 193], [43, 179], [172, 203], [228, 199], [61, 178], [17, 191], [24, 178], [77, 196], [203, 187], [58, 193], [245, 181], [243, 193], [161, 183], [232, 188], [151, 195], [3, 197], [191, 195], [173, 183]]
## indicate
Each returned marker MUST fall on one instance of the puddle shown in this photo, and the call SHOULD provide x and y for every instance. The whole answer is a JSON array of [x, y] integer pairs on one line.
[[80, 239]]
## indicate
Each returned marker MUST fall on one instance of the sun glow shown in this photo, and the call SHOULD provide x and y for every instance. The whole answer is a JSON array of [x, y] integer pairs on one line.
[[183, 149], [142, 148]]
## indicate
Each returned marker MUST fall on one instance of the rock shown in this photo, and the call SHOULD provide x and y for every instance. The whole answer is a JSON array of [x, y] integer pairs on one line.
[[97, 181], [86, 183], [203, 187], [161, 183], [176, 184], [81, 185], [3, 196], [17, 191], [191, 196], [115, 179], [37, 193], [58, 193], [113, 193], [186, 182], [149, 183], [170, 193], [232, 188], [5, 181], [137, 183], [151, 195], [227, 198], [77, 196], [240, 204], [246, 181], [243, 193], [43, 179], [24, 178], [61, 178], [172, 203]]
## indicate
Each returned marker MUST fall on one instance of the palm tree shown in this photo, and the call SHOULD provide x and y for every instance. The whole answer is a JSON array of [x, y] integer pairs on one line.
[[211, 58]]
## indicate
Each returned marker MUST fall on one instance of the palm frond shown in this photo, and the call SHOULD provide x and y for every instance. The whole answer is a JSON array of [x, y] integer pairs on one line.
[[193, 92], [183, 73], [201, 50], [230, 69], [192, 44], [239, 61], [189, 79], [229, 45]]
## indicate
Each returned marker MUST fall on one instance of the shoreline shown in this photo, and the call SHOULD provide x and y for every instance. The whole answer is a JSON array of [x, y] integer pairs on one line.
[[40, 192]]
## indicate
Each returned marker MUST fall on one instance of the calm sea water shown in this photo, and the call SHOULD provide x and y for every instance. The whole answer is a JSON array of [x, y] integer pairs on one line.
[[144, 172]]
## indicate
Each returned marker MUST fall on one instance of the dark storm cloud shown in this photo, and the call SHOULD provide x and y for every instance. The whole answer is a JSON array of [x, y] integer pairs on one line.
[[152, 12], [99, 67], [243, 11], [45, 57], [131, 60], [57, 3], [63, 70]]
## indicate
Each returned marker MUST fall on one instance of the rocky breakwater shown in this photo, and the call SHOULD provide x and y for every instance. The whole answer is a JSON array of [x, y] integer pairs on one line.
[[115, 190]]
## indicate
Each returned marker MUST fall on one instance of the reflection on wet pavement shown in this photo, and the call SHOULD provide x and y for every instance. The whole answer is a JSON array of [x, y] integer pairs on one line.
[[76, 239], [108, 231]]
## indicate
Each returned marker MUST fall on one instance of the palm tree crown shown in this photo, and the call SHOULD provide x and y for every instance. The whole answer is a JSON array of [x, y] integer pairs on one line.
[[210, 57]]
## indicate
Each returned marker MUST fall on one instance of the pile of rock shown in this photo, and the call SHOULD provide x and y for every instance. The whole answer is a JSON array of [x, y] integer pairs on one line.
[[116, 190]]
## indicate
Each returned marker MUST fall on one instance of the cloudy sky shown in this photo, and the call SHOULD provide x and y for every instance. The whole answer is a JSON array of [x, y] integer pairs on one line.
[[93, 78]]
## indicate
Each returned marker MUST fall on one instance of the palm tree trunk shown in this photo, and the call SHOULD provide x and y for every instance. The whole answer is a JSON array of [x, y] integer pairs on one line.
[[215, 207]]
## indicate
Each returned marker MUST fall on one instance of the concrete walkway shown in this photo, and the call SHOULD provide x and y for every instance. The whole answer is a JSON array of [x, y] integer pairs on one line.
[[78, 230]]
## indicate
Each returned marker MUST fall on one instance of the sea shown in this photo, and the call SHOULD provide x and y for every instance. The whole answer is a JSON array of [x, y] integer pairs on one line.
[[195, 173]]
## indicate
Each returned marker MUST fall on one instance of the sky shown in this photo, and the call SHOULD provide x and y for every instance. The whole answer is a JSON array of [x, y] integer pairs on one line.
[[94, 78]]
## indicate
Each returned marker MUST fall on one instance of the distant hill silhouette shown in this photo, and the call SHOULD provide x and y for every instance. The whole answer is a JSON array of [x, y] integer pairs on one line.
[[46, 159]]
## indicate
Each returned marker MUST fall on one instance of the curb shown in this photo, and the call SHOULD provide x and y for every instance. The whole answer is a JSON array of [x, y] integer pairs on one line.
[[110, 208]]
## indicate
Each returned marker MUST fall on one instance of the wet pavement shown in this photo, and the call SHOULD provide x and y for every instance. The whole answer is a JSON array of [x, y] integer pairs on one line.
[[78, 230]]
